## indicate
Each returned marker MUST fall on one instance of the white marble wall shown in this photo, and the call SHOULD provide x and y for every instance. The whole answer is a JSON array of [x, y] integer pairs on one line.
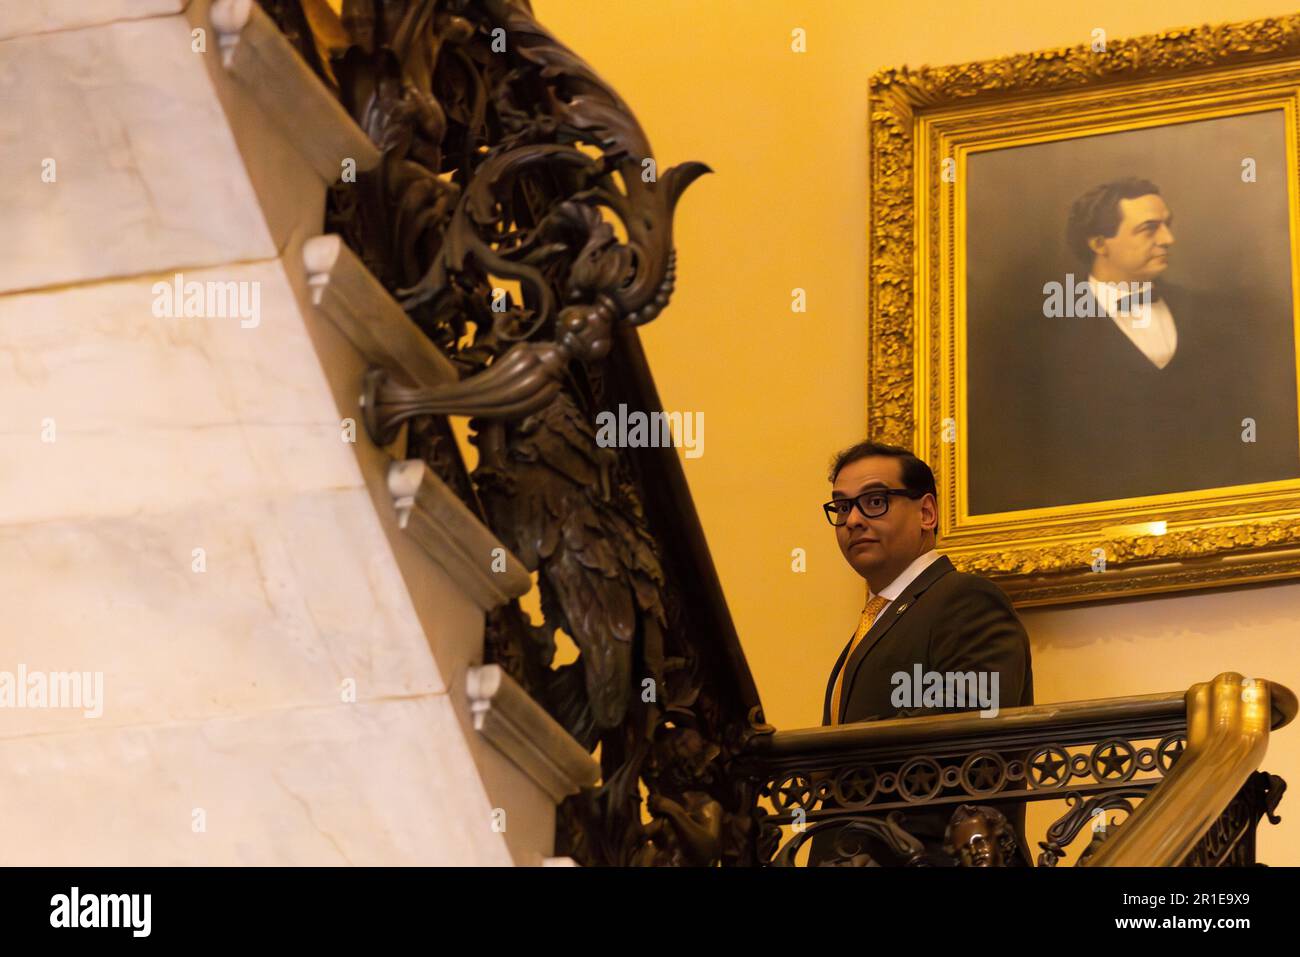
[[146, 175], [25, 17], [226, 689]]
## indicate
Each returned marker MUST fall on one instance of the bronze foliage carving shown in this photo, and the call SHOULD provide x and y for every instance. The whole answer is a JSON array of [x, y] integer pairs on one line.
[[519, 216]]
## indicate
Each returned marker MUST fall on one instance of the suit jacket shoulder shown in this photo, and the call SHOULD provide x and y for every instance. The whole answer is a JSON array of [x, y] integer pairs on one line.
[[957, 581], [979, 630]]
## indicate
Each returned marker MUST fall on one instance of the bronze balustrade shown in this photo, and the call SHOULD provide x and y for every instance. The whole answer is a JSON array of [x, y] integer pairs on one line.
[[1186, 760]]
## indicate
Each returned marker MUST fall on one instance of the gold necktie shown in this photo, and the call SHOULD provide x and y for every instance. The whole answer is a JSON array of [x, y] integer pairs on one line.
[[869, 613]]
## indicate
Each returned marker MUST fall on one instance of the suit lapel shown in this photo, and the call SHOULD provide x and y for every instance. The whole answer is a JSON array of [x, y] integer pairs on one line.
[[897, 608], [830, 685]]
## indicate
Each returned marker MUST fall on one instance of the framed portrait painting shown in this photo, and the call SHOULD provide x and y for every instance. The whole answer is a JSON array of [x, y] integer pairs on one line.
[[1085, 297]]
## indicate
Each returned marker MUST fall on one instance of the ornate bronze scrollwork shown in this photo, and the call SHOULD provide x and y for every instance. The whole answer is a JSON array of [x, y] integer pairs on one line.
[[519, 216]]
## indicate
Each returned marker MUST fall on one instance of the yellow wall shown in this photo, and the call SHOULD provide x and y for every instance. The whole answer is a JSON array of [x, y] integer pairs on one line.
[[715, 80]]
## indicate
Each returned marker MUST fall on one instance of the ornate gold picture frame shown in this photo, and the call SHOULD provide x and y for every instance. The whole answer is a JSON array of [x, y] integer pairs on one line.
[[938, 136]]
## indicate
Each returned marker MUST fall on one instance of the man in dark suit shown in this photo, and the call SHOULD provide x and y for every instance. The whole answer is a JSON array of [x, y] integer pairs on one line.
[[921, 612], [1118, 384]]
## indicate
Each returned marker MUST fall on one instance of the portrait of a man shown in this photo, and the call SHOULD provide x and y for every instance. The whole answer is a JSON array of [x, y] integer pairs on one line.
[[1143, 341]]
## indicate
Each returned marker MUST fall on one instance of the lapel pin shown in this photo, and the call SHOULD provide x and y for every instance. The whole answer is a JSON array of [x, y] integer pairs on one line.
[[901, 608]]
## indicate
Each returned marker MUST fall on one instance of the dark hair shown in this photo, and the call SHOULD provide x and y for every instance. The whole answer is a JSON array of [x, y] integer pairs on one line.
[[917, 476], [1096, 212]]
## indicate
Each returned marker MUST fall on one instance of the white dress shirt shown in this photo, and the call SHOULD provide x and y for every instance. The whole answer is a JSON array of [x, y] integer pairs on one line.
[[905, 578], [1148, 325]]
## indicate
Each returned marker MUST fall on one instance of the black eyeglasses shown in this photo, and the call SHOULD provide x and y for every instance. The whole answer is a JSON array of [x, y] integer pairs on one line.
[[873, 504]]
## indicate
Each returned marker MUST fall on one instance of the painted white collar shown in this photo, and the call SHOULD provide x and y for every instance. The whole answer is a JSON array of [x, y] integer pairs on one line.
[[1148, 325]]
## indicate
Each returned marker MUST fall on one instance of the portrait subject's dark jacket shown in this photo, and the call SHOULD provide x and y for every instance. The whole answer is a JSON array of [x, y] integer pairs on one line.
[[1071, 410], [945, 621]]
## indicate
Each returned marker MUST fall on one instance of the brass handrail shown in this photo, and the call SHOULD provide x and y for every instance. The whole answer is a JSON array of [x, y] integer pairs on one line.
[[1088, 716], [1228, 723]]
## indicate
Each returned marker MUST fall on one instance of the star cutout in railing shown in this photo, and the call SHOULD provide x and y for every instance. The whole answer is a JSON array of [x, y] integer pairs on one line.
[[920, 780], [1050, 768], [984, 774], [1113, 762], [858, 785], [1171, 752]]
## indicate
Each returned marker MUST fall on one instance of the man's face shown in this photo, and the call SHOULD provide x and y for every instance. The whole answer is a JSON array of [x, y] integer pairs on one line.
[[893, 540], [1139, 250]]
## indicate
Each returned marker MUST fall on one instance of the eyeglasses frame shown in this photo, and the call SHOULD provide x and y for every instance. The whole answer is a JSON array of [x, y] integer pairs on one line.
[[912, 494]]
